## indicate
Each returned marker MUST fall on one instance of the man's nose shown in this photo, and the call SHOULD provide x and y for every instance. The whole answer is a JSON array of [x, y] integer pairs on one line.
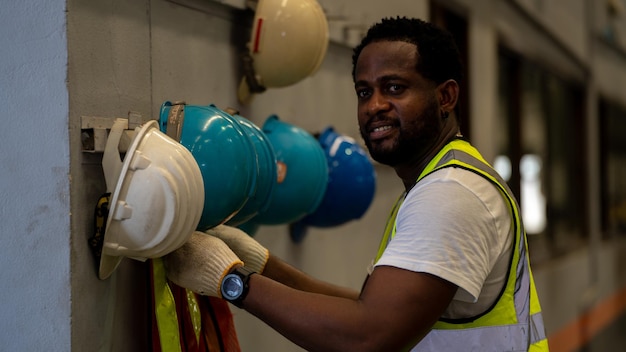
[[377, 103]]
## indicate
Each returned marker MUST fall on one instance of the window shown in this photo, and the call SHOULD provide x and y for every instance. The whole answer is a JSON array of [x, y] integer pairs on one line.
[[613, 172], [541, 150]]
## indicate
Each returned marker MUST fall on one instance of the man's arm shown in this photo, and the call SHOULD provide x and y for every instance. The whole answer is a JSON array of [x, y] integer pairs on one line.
[[278, 270], [395, 310], [258, 258]]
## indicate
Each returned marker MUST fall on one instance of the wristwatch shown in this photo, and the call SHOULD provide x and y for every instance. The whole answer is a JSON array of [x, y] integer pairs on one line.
[[234, 286]]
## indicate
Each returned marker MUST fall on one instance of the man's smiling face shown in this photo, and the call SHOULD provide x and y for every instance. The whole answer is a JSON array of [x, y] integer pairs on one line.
[[398, 112]]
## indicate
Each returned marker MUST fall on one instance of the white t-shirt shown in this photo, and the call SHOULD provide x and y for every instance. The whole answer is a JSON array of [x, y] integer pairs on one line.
[[455, 224]]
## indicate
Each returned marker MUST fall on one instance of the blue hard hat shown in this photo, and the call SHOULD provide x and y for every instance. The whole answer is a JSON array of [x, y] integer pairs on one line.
[[351, 184], [266, 173], [302, 173], [223, 151]]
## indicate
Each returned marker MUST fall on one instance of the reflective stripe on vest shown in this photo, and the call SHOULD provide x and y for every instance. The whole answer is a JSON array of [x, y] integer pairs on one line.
[[514, 323]]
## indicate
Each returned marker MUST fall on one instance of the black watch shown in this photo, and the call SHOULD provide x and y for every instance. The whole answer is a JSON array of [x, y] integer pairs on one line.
[[234, 286]]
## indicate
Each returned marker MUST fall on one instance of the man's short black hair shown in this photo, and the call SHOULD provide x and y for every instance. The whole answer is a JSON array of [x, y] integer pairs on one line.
[[438, 55]]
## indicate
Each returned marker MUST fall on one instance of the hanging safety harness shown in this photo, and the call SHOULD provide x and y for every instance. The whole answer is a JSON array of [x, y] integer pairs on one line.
[[183, 321]]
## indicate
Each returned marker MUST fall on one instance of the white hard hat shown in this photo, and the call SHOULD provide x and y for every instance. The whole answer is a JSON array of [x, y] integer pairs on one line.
[[288, 43], [157, 195]]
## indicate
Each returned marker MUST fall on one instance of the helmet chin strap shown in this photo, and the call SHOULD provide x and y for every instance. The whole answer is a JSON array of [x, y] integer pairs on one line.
[[101, 213], [252, 80]]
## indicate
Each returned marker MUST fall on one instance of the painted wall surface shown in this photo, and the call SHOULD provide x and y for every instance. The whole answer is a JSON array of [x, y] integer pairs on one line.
[[34, 178], [567, 20], [483, 57], [109, 73]]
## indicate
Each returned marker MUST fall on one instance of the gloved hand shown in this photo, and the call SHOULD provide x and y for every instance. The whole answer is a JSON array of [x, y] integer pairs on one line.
[[250, 251], [201, 264]]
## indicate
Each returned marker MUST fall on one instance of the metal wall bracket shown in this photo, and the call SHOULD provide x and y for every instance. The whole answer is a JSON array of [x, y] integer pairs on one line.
[[95, 131]]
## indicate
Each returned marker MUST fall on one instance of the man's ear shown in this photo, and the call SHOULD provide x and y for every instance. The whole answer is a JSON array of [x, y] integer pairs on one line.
[[448, 95]]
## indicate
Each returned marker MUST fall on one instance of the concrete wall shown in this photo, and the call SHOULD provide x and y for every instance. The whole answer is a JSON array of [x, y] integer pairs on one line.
[[34, 178]]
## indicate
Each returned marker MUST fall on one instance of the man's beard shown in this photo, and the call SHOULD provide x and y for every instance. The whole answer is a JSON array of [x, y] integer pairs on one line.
[[414, 139]]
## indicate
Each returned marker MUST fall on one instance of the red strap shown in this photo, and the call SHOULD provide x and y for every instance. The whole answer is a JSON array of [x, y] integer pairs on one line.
[[217, 324], [156, 342], [226, 324]]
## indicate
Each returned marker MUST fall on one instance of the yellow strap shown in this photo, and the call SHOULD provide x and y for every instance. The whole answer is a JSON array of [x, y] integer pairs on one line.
[[194, 312], [165, 309], [389, 228]]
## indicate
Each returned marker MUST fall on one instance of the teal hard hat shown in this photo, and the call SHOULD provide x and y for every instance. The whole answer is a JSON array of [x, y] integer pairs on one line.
[[266, 173], [224, 153], [249, 227], [351, 184], [302, 173]]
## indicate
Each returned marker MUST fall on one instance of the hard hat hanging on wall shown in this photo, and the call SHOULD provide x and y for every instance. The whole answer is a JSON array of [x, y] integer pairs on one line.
[[302, 173], [287, 44], [351, 184], [154, 198], [222, 147], [266, 173]]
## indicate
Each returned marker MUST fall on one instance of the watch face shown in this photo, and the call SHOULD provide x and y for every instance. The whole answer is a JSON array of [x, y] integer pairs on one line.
[[232, 287]]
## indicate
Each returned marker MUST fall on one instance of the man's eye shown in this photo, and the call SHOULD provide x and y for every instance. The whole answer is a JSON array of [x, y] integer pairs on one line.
[[395, 88], [362, 93]]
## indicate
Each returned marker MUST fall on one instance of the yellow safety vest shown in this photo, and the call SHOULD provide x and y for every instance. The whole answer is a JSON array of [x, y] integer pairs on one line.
[[514, 322]]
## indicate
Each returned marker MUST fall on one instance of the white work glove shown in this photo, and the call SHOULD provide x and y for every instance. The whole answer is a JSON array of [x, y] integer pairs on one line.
[[250, 251], [201, 264]]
